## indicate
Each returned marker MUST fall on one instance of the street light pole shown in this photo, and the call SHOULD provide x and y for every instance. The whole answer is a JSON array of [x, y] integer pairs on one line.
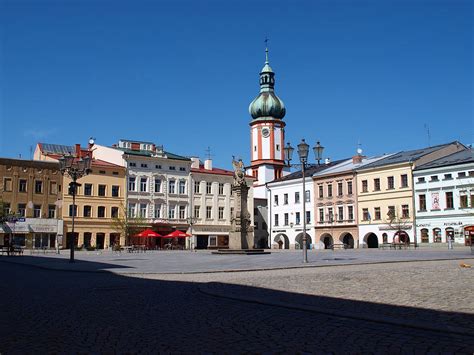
[[75, 168], [305, 249]]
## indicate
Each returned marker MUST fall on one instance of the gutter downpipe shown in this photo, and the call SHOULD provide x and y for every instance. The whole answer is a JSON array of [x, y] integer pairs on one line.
[[413, 202], [269, 239]]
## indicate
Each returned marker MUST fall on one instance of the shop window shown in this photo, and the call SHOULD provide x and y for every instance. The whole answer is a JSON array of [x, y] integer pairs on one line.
[[424, 236]]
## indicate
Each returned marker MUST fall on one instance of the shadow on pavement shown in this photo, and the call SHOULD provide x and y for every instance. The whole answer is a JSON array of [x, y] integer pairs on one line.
[[70, 312]]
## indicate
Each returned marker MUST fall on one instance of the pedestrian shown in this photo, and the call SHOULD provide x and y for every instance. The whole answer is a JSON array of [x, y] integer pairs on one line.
[[450, 242]]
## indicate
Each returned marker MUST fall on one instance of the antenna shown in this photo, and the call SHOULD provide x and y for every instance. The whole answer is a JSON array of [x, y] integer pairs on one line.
[[208, 153], [31, 152], [427, 128]]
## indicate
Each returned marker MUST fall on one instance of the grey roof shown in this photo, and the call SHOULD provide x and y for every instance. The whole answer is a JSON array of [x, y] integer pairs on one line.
[[348, 165], [147, 153], [406, 156], [57, 149], [310, 171], [462, 157]]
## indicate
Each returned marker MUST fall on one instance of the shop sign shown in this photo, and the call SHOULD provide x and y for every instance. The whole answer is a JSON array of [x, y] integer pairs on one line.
[[452, 223]]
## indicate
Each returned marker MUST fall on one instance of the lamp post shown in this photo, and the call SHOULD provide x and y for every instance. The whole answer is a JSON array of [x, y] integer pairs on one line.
[[303, 149], [75, 168]]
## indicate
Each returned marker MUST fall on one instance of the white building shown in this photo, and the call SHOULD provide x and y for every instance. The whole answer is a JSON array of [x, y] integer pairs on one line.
[[285, 199], [444, 199]]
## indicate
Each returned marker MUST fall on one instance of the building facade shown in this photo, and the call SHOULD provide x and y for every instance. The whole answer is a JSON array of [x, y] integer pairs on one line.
[[386, 198], [30, 192], [444, 199]]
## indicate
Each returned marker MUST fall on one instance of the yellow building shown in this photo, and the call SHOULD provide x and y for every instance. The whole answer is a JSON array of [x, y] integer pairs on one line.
[[385, 195], [100, 198]]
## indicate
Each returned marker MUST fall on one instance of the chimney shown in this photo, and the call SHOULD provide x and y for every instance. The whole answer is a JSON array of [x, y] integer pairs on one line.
[[78, 150], [194, 163], [357, 159], [208, 164], [327, 161]]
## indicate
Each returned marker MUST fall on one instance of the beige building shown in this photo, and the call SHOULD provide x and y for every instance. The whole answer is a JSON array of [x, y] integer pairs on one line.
[[212, 205], [100, 198], [30, 192], [385, 188]]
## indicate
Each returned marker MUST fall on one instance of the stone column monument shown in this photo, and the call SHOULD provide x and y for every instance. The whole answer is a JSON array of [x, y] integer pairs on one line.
[[241, 232]]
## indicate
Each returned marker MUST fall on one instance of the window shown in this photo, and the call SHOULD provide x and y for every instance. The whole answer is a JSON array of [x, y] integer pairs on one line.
[[404, 178], [421, 179], [221, 212], [321, 215], [132, 210], [349, 187], [87, 211], [208, 212], [329, 190], [321, 191], [307, 197], [144, 165], [172, 168], [350, 213], [114, 212], [197, 210], [390, 183], [339, 188], [101, 190], [133, 164], [38, 187], [231, 212], [182, 169], [340, 213], [101, 212], [208, 187], [157, 185], [171, 212], [391, 212], [308, 217], [276, 220], [131, 183], [115, 190], [471, 173], [449, 200], [22, 185], [182, 186], [71, 209], [472, 201], [462, 174], [7, 183], [463, 201], [221, 189], [101, 171], [171, 188], [157, 166], [115, 172], [285, 199], [51, 211], [405, 211], [365, 186], [377, 184], [297, 218], [197, 187], [37, 211], [88, 189], [157, 210], [434, 178], [422, 202], [143, 207], [182, 212], [377, 214], [424, 236], [286, 216], [143, 183], [275, 199], [448, 176], [330, 215], [365, 214]]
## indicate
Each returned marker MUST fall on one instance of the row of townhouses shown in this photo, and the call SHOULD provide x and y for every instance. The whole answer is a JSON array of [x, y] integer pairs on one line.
[[129, 181]]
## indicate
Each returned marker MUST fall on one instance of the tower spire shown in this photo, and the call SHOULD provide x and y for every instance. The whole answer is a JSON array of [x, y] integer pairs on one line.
[[266, 51]]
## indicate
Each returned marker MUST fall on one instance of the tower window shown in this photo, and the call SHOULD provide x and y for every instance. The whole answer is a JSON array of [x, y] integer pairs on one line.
[[278, 147], [254, 148]]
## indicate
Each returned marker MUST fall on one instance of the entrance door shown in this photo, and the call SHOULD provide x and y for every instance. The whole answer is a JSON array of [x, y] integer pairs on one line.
[[469, 235], [201, 241], [348, 241], [372, 241], [100, 240]]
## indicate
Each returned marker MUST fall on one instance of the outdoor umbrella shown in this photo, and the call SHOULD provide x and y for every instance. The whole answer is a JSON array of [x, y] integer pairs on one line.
[[148, 233], [176, 234]]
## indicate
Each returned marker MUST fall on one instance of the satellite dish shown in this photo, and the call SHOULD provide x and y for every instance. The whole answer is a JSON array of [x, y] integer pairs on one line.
[[359, 151], [91, 141]]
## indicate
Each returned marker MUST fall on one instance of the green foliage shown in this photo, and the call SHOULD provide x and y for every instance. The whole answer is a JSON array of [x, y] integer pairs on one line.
[[128, 226]]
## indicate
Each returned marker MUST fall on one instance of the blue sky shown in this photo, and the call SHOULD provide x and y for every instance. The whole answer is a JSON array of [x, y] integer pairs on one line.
[[182, 73]]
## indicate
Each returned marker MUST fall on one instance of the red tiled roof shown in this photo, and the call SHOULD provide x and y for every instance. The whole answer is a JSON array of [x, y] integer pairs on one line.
[[215, 171]]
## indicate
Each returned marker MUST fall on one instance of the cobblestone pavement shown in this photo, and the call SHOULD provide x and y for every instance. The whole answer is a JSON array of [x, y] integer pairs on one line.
[[70, 312]]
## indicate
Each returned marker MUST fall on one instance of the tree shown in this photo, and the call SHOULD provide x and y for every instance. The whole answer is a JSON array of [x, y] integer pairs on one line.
[[400, 225], [127, 225]]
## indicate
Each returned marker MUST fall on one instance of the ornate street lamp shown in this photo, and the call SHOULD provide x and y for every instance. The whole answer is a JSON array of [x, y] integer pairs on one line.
[[303, 150], [74, 168]]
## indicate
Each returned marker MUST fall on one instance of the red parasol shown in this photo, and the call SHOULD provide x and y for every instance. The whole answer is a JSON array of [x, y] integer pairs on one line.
[[176, 234], [148, 233]]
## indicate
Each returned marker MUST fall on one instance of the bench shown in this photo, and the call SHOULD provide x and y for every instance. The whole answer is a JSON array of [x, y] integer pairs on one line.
[[337, 246], [18, 250]]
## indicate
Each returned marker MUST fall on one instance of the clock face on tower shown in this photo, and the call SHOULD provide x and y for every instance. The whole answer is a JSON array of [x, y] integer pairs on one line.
[[265, 132]]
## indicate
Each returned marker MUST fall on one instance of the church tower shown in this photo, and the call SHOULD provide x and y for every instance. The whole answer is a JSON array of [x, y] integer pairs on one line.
[[267, 133]]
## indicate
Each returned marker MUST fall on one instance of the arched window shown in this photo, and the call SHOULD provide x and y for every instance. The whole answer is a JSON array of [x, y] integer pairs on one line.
[[385, 238], [437, 235], [424, 236]]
